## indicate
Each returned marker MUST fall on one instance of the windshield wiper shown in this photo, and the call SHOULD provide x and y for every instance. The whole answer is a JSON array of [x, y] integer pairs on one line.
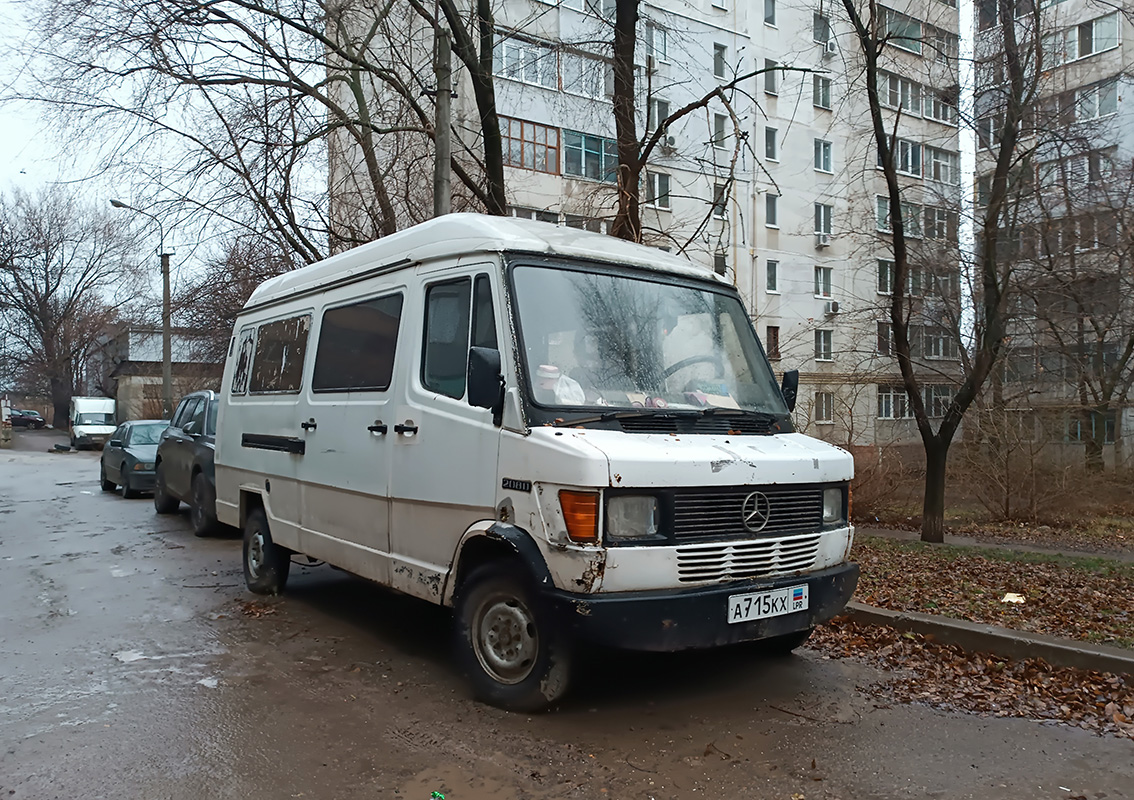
[[636, 413], [715, 411]]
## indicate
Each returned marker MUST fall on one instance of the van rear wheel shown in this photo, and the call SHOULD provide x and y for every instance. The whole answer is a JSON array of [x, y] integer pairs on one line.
[[508, 644], [266, 564]]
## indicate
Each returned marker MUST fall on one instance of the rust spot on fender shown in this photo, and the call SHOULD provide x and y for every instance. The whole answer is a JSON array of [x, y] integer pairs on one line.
[[592, 575]]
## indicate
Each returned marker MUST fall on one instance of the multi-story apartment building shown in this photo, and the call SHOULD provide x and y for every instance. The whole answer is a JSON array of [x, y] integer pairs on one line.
[[773, 184], [1068, 369]]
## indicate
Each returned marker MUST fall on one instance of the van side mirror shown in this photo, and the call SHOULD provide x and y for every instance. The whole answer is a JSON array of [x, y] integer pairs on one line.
[[790, 388], [485, 381]]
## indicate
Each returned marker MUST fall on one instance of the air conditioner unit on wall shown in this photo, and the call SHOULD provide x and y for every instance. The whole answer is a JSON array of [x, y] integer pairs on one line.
[[831, 307], [822, 239], [829, 48]]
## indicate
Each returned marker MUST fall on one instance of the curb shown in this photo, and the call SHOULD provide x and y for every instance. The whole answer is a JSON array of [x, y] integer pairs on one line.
[[1005, 642]]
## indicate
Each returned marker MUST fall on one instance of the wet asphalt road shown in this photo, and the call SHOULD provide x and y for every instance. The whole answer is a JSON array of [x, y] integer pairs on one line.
[[133, 664]]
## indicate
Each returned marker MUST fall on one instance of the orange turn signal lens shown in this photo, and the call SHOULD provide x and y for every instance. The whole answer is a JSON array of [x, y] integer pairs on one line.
[[580, 512]]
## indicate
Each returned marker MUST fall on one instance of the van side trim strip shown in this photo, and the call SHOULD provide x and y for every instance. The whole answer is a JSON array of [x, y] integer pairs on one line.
[[346, 280], [282, 444]]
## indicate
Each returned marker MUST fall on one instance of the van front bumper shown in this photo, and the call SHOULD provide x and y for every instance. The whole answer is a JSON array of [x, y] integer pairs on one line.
[[685, 619]]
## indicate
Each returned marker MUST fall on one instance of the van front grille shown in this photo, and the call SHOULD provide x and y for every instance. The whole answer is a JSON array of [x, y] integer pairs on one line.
[[765, 558], [717, 513]]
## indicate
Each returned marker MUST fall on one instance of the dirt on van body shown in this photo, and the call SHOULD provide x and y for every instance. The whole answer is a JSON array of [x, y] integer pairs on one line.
[[136, 666]]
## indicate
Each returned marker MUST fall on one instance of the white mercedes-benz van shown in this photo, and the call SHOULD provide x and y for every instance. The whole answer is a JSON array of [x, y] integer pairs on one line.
[[564, 436]]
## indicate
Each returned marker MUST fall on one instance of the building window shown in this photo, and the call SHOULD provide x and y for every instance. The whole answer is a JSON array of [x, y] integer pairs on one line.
[[528, 145], [911, 217], [885, 276], [938, 343], [823, 217], [943, 166], [720, 59], [720, 262], [1080, 41], [720, 130], [525, 61], [658, 113], [821, 92], [1096, 101], [885, 346], [1099, 427], [937, 399], [771, 218], [939, 107], [901, 31], [893, 402], [820, 28], [900, 94], [824, 408], [771, 76], [772, 279], [823, 281], [584, 75], [657, 189], [769, 12], [823, 346], [772, 341], [539, 215], [587, 156], [720, 200], [823, 155], [771, 149], [584, 223], [907, 157], [940, 223], [657, 42]]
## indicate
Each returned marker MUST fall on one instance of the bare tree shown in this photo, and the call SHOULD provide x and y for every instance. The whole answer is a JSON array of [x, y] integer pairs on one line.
[[241, 108], [1013, 48], [210, 301], [66, 269]]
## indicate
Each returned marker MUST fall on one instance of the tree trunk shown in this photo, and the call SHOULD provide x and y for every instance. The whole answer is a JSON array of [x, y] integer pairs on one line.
[[61, 403], [1092, 440], [933, 509], [628, 219]]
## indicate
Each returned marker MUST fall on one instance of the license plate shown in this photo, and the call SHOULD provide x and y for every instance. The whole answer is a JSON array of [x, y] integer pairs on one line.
[[772, 603]]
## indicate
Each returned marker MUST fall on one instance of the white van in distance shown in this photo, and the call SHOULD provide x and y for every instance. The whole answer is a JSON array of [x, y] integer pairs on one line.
[[563, 436], [91, 421]]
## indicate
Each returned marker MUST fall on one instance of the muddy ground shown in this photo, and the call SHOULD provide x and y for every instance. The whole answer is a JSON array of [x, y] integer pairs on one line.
[[134, 664]]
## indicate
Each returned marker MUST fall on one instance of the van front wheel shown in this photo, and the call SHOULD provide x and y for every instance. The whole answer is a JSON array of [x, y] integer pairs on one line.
[[511, 651], [266, 564]]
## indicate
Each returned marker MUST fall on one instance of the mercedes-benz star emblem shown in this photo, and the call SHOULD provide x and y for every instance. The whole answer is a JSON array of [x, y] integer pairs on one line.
[[755, 511]]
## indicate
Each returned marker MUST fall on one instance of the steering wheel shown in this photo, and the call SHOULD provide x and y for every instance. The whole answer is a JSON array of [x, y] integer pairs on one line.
[[701, 358]]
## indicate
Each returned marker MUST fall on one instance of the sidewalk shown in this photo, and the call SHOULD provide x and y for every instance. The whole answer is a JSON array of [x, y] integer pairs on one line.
[[983, 637], [1123, 556]]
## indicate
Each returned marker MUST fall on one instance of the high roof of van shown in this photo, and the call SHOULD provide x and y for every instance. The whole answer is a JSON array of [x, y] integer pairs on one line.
[[460, 234]]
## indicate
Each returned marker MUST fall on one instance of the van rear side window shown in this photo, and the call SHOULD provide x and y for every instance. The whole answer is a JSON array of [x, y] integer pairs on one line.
[[446, 337], [357, 345], [244, 361], [280, 350]]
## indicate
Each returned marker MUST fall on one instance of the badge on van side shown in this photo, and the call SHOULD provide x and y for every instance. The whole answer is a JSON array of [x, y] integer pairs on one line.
[[515, 485]]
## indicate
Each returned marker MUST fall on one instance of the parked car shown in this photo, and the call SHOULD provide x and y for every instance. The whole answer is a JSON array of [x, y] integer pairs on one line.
[[27, 418], [128, 458], [184, 464]]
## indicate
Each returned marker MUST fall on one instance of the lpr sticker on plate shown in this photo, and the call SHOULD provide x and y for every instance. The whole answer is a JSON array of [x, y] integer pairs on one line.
[[772, 603]]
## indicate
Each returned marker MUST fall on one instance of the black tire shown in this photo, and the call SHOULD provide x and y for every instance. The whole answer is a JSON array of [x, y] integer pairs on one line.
[[509, 646], [266, 564], [105, 484], [128, 491], [784, 645], [202, 509], [164, 502]]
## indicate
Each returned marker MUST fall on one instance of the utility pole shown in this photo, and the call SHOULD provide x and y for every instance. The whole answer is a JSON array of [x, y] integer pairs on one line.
[[443, 67], [166, 345]]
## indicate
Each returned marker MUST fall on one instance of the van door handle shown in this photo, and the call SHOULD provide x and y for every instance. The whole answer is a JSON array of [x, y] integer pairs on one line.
[[378, 427], [309, 425], [409, 427]]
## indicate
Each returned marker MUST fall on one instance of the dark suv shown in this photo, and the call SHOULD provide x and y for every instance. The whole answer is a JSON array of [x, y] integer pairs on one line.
[[184, 466]]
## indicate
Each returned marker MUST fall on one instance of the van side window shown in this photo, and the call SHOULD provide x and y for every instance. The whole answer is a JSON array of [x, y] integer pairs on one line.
[[484, 320], [280, 350], [244, 361], [446, 337], [356, 346]]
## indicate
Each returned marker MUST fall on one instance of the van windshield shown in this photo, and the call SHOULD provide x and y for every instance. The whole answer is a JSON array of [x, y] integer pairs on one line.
[[94, 418], [599, 340]]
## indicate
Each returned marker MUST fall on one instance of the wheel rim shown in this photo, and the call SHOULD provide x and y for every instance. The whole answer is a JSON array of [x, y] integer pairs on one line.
[[505, 638], [255, 554]]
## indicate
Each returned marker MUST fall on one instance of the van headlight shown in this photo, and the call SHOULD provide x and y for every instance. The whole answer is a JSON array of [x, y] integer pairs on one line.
[[631, 516], [833, 504]]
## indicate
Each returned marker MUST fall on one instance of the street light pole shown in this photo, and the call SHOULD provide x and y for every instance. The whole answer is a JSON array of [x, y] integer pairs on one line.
[[166, 333]]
